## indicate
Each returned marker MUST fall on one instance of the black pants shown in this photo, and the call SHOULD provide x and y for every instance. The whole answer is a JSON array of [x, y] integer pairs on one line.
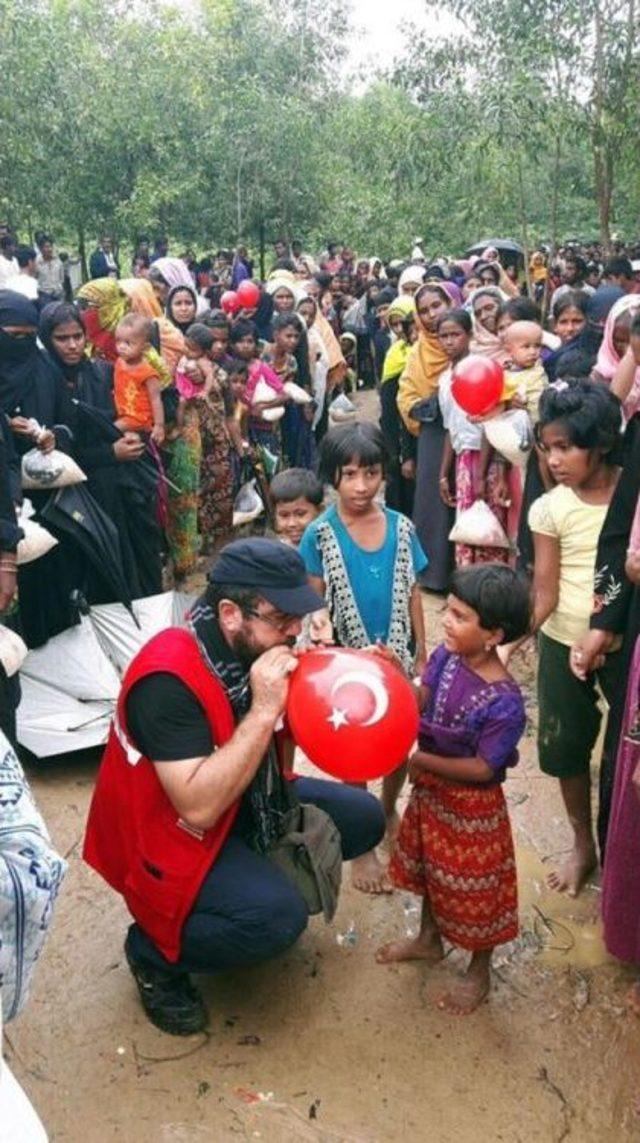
[[247, 909]]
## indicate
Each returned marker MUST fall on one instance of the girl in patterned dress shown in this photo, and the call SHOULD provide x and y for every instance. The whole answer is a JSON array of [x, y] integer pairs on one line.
[[365, 559], [455, 847]]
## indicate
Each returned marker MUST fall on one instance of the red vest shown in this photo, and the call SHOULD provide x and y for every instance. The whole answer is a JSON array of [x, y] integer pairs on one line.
[[135, 838]]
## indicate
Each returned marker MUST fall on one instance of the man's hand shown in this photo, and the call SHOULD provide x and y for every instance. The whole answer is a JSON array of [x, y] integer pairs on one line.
[[269, 679]]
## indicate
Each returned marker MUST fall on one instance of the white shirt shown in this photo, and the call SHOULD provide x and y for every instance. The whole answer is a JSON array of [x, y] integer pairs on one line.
[[464, 434], [8, 267], [23, 284]]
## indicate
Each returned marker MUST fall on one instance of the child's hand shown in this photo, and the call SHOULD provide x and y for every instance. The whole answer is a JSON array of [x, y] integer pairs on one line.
[[408, 469], [632, 566], [386, 652], [418, 765], [157, 434], [446, 495], [502, 492]]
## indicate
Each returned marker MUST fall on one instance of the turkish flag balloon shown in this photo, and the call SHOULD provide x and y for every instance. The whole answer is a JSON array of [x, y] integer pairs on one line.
[[353, 713], [248, 295], [229, 302], [477, 383]]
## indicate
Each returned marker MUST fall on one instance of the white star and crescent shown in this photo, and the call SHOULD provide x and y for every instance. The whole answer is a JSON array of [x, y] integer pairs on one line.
[[338, 716]]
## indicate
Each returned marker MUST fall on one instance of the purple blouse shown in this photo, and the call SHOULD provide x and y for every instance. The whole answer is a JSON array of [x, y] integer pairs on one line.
[[465, 716]]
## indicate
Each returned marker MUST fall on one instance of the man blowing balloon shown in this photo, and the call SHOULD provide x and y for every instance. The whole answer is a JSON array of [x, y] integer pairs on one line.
[[191, 815]]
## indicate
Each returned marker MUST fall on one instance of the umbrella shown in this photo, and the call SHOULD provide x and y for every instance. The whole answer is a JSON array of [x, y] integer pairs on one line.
[[144, 467], [502, 245], [70, 685], [74, 511]]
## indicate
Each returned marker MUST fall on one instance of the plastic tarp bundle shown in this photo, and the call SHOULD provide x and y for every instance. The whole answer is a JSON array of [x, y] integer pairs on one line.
[[70, 686]]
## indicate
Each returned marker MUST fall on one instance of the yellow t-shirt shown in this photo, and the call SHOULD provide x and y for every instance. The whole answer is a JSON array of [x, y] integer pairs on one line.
[[576, 526]]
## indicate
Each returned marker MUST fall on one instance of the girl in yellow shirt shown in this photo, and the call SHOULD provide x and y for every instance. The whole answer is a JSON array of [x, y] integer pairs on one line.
[[579, 431]]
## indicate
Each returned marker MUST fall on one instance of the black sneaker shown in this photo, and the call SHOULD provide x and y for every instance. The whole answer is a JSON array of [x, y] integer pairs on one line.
[[171, 1002]]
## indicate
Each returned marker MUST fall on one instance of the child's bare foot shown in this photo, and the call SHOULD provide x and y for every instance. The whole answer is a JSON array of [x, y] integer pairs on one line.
[[369, 875], [391, 832], [468, 992], [571, 877], [426, 946], [633, 998]]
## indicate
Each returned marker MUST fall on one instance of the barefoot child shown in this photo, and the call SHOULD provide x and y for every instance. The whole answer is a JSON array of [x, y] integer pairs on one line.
[[579, 431], [455, 847], [365, 559], [136, 384]]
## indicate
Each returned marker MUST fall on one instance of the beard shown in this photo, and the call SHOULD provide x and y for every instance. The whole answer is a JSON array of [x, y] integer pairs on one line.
[[247, 649]]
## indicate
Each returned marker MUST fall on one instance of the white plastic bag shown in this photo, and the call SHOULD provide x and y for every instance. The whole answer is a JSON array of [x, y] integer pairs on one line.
[[13, 651], [298, 395], [479, 527], [37, 540], [53, 469], [247, 505], [511, 435], [341, 410], [264, 392]]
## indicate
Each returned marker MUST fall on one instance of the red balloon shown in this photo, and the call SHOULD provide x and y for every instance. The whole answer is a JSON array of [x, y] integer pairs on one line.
[[353, 713], [229, 302], [477, 384], [248, 295]]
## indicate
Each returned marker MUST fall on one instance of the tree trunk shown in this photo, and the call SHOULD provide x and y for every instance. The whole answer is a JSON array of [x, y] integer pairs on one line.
[[82, 250], [524, 226], [555, 196]]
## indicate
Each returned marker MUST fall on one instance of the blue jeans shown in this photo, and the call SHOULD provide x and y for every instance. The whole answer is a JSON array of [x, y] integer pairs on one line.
[[247, 910]]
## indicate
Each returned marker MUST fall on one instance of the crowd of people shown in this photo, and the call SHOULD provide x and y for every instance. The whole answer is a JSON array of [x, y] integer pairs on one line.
[[188, 389]]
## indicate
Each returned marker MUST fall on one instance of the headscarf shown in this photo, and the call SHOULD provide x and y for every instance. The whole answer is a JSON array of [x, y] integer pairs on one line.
[[483, 342], [411, 276], [108, 304], [283, 280], [83, 379], [182, 326], [403, 306], [142, 297], [173, 272], [609, 360], [425, 362], [29, 381]]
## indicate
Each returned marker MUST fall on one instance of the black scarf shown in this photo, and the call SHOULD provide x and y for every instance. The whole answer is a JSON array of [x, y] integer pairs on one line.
[[268, 796]]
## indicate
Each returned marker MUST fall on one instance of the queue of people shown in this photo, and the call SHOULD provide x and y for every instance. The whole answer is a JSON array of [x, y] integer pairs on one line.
[[170, 406]]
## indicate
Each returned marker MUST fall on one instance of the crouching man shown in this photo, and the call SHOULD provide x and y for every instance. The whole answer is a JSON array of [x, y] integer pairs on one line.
[[191, 802]]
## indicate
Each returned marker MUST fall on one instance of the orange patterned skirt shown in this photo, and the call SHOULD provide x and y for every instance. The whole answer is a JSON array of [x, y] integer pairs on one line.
[[455, 847]]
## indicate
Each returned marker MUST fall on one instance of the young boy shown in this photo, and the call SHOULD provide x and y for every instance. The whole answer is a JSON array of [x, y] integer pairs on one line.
[[297, 496], [136, 383]]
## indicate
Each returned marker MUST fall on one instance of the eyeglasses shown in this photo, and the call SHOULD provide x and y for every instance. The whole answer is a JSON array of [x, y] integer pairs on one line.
[[279, 624]]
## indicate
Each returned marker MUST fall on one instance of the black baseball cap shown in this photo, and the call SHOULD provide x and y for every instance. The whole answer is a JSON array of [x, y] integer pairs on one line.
[[276, 570]]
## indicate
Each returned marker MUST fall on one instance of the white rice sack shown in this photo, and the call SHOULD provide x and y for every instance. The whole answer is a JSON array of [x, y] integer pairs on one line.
[[297, 394], [511, 435], [53, 469], [264, 392], [479, 527]]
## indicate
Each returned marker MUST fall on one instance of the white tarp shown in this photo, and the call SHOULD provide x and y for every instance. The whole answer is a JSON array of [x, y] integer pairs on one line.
[[70, 686]]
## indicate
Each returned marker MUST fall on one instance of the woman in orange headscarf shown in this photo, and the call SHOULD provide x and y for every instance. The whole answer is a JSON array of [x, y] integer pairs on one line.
[[420, 411]]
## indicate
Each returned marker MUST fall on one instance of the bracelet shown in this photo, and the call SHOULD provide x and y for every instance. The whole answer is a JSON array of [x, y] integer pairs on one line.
[[8, 567]]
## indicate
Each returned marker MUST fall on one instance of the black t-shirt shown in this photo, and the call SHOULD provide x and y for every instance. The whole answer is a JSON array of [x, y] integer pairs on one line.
[[165, 720]]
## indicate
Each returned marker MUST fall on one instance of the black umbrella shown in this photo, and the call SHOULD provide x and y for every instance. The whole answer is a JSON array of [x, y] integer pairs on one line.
[[144, 467], [74, 511], [502, 245]]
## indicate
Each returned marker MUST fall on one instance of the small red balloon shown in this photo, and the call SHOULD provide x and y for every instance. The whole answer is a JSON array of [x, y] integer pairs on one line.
[[229, 302], [477, 384], [248, 295], [352, 712]]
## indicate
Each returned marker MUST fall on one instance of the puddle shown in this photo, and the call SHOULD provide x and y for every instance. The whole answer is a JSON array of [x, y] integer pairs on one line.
[[560, 930]]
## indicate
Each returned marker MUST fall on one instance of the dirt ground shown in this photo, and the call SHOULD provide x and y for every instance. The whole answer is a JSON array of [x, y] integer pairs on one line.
[[323, 1044]]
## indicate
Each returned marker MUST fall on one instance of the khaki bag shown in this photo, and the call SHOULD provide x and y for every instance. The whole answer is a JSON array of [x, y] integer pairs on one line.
[[310, 854]]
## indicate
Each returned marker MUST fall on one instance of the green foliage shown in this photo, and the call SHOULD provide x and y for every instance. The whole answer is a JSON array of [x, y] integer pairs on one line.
[[233, 119]]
